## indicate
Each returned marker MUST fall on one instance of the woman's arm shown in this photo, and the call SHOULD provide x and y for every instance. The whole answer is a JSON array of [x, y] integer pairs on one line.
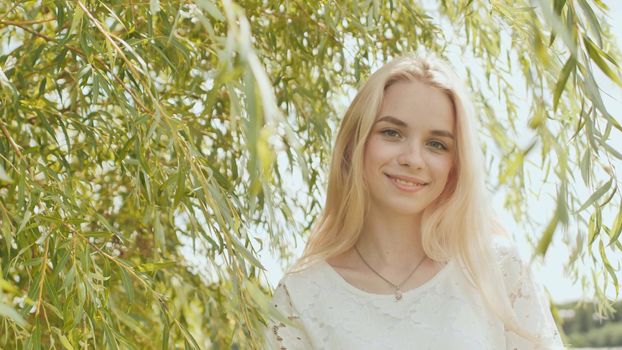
[[279, 335], [530, 305]]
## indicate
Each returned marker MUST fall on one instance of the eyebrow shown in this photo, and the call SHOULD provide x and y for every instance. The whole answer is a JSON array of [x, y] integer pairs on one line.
[[401, 123]]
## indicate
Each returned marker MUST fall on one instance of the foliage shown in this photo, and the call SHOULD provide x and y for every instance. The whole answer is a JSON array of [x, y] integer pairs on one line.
[[587, 328], [148, 149], [604, 337]]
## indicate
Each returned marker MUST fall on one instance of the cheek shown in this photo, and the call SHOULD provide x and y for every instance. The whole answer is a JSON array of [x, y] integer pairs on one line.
[[442, 167], [377, 152]]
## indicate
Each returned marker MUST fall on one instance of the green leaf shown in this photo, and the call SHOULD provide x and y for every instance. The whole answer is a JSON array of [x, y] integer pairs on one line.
[[596, 195], [180, 188], [558, 26], [561, 81], [247, 254], [148, 267], [586, 166], [127, 284], [76, 21], [158, 230], [596, 54], [211, 8], [7, 286], [610, 269], [9, 312], [24, 221], [63, 339], [593, 21], [547, 236], [4, 177], [616, 228]]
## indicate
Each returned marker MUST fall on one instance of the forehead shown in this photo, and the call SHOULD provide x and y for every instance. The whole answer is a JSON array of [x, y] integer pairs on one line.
[[419, 105]]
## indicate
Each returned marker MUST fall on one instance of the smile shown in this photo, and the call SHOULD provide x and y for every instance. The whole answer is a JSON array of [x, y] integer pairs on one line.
[[406, 185]]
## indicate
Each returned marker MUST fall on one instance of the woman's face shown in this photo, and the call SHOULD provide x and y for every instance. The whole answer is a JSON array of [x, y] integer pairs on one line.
[[410, 151]]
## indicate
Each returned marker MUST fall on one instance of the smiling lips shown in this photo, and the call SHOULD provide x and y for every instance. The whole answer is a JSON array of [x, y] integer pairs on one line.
[[408, 184]]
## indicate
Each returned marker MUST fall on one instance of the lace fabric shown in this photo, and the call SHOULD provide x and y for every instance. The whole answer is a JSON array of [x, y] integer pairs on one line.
[[446, 312]]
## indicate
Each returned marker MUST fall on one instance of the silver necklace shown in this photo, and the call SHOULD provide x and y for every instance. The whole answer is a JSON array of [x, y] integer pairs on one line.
[[398, 292]]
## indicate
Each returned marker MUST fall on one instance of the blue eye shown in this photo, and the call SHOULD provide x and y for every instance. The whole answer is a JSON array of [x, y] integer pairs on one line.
[[437, 145], [392, 133]]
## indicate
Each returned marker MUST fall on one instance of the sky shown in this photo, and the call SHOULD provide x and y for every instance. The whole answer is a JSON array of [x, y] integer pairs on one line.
[[549, 272]]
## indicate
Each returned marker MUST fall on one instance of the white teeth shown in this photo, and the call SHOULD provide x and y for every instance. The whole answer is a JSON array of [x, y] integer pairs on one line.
[[408, 183]]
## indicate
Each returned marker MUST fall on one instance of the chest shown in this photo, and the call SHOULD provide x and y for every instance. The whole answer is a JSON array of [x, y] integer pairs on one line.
[[444, 317]]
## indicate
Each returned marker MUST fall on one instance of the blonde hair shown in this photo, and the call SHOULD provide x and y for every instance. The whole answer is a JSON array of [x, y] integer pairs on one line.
[[468, 235]]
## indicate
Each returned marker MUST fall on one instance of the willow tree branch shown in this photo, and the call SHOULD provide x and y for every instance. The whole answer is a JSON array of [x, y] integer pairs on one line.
[[83, 55], [11, 142]]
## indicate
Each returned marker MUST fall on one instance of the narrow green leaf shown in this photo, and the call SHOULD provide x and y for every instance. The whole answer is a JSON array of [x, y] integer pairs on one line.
[[63, 339], [127, 284], [612, 121], [562, 205], [211, 8], [188, 337], [547, 236], [158, 230], [596, 54], [7, 286], [148, 267], [561, 81], [612, 273], [24, 221], [95, 88], [558, 6], [106, 224], [616, 228], [181, 185], [558, 26], [42, 86], [592, 20], [76, 21], [166, 331], [9, 312], [246, 253], [596, 195], [594, 226], [586, 165], [4, 177]]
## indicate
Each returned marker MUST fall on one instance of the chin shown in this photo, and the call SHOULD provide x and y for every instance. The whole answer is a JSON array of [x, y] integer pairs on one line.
[[405, 210]]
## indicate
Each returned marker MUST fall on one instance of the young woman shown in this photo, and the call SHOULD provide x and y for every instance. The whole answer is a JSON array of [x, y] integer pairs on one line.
[[406, 254]]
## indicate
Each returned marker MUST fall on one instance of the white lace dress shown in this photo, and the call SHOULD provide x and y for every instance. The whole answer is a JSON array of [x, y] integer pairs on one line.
[[446, 312]]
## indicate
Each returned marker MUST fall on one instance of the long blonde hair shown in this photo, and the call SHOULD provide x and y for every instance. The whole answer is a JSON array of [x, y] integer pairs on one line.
[[467, 235]]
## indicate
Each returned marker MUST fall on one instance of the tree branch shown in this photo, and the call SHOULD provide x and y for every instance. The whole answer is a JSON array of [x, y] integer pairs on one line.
[[11, 142], [81, 54]]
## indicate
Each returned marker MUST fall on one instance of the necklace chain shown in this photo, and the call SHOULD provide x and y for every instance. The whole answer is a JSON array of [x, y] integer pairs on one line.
[[398, 294]]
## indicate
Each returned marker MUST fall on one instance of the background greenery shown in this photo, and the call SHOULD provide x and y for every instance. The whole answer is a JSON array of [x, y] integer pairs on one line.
[[150, 150], [583, 327]]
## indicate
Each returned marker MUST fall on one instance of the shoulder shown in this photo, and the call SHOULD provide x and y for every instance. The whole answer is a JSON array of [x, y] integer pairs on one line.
[[302, 282], [512, 265], [505, 248]]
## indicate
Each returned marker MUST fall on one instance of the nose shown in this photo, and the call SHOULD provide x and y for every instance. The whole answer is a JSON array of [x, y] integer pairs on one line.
[[411, 155]]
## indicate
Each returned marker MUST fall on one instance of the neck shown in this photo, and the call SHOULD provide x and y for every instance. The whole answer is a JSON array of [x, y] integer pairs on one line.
[[390, 241]]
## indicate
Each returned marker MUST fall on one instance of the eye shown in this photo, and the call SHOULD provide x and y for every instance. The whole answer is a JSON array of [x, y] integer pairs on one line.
[[437, 145], [391, 133]]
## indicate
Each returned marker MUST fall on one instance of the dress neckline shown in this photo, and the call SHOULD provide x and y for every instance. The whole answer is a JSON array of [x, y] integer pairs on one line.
[[339, 280]]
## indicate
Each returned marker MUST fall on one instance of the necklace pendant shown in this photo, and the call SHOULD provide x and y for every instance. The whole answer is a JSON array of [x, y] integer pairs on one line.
[[398, 295]]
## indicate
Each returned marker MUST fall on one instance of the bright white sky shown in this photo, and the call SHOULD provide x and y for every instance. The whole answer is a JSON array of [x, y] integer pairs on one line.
[[549, 272]]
